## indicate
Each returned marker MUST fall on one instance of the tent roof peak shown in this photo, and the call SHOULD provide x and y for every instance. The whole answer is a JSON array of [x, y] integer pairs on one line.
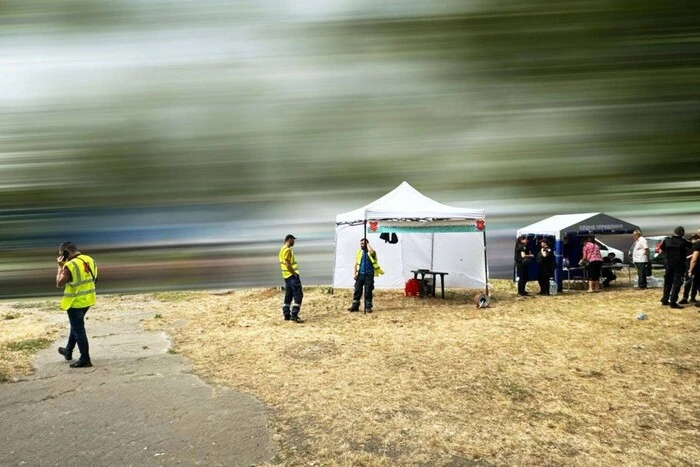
[[405, 202]]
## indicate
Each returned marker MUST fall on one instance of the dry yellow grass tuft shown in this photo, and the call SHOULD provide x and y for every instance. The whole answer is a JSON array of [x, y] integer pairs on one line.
[[25, 326], [572, 379]]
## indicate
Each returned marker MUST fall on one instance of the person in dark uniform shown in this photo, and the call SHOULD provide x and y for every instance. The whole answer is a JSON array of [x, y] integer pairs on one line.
[[566, 251], [694, 267], [676, 249], [608, 273], [523, 258], [692, 275], [545, 264]]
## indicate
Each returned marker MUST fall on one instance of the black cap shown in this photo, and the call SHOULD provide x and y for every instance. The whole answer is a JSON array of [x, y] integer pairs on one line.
[[289, 237]]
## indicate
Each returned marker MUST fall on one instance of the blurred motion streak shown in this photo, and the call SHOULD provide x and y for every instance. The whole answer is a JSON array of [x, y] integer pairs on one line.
[[179, 145]]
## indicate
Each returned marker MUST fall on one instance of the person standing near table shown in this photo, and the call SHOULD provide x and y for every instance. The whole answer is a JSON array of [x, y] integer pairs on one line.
[[640, 258], [593, 260], [545, 264], [522, 258], [77, 273], [676, 249], [566, 251], [366, 267], [292, 282]]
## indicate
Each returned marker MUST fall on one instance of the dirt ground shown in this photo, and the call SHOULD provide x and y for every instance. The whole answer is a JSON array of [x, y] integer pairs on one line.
[[572, 379]]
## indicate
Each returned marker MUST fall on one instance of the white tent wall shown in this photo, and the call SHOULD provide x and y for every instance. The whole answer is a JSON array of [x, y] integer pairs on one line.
[[454, 253], [417, 253], [347, 242]]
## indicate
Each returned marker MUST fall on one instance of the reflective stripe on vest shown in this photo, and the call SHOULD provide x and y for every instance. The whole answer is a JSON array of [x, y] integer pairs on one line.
[[80, 291], [358, 258], [283, 263]]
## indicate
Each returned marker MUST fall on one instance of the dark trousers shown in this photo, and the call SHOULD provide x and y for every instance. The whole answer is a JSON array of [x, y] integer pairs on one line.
[[78, 335], [543, 281], [641, 275], [292, 290], [522, 278], [691, 285], [366, 282], [608, 276], [673, 279]]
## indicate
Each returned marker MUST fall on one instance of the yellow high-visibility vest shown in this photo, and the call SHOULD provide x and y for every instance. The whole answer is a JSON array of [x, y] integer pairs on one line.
[[377, 270], [283, 263], [80, 292]]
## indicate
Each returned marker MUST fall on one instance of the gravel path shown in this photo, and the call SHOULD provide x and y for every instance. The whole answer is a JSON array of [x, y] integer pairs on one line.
[[138, 405]]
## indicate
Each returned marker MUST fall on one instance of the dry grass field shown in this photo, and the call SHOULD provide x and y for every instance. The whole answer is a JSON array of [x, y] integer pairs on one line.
[[572, 379]]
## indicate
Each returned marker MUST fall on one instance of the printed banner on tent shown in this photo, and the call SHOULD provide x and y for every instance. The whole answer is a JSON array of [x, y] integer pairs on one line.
[[426, 226]]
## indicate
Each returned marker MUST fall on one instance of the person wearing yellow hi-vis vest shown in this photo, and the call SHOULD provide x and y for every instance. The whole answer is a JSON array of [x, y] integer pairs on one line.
[[292, 282], [77, 273], [366, 267]]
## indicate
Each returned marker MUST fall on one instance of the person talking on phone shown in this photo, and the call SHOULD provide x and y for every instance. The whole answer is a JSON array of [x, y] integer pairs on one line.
[[523, 258], [77, 274], [545, 266], [366, 267]]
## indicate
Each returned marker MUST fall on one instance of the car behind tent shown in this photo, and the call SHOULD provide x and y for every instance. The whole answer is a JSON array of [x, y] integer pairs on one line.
[[428, 235]]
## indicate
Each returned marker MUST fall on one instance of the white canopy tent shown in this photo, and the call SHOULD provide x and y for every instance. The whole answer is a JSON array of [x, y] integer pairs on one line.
[[431, 235]]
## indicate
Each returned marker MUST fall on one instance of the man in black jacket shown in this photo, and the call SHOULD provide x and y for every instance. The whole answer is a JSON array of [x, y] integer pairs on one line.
[[676, 249], [545, 266], [692, 275], [608, 272], [523, 257]]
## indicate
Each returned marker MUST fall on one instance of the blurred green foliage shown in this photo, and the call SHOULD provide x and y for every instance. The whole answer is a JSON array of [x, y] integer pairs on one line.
[[139, 103]]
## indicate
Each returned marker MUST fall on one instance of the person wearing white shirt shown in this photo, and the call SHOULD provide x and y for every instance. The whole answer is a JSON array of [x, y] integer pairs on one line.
[[640, 258]]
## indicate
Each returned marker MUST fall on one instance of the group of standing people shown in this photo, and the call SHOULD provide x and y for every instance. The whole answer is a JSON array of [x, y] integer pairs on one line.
[[545, 265], [681, 265], [77, 274], [366, 268]]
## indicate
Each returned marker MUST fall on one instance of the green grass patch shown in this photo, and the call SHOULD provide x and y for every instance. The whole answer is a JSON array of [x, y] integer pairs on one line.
[[29, 345]]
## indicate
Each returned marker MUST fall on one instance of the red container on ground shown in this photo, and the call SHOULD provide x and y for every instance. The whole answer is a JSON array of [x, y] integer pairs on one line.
[[412, 288]]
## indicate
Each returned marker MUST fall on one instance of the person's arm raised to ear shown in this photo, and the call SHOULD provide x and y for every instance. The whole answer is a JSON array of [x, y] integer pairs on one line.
[[370, 250]]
